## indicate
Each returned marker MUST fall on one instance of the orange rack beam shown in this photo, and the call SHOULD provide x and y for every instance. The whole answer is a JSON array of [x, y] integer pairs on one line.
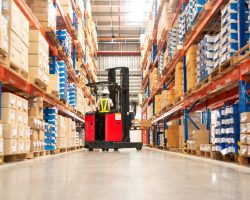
[[9, 78]]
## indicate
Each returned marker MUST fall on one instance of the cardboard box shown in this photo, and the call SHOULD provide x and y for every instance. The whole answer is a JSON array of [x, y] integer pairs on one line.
[[35, 61], [8, 100], [34, 134], [4, 37], [24, 33], [36, 112], [54, 82], [1, 146], [27, 145], [1, 131], [21, 146], [8, 115], [10, 131], [21, 131], [36, 102], [9, 146], [35, 123], [34, 145], [245, 117], [61, 143], [41, 135], [12, 13]]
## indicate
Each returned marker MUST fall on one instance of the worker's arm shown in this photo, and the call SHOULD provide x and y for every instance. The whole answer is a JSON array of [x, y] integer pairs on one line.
[[111, 104]]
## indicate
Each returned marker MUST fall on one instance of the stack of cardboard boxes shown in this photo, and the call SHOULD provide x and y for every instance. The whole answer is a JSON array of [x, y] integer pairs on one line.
[[4, 39], [14, 124], [67, 8], [196, 117], [36, 124], [153, 78], [179, 80], [245, 134], [18, 35], [38, 58], [158, 103], [61, 132], [172, 135], [199, 137], [45, 12], [191, 62]]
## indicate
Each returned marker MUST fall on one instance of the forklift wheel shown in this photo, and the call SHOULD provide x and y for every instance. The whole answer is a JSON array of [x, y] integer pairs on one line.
[[116, 149], [138, 148], [90, 149], [107, 149], [103, 149]]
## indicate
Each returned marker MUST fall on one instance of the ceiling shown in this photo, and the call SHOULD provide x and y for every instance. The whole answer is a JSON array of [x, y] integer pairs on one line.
[[120, 18]]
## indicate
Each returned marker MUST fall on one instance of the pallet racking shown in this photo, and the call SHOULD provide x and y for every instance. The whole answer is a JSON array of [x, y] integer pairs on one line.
[[10, 81], [230, 83]]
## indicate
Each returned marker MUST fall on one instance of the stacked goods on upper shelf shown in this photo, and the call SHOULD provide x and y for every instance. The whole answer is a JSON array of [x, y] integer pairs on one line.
[[93, 34], [15, 129], [64, 39], [229, 31], [191, 62], [205, 57], [153, 79], [18, 35], [161, 64], [158, 103], [226, 129], [150, 112], [168, 97], [37, 124], [247, 22], [4, 39], [245, 134], [67, 8], [188, 17], [165, 21], [200, 137], [50, 117], [45, 12], [63, 80], [76, 98], [217, 50], [80, 33], [38, 58], [172, 42], [179, 92]]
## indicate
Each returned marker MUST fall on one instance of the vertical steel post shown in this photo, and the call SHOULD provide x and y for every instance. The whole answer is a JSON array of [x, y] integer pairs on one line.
[[242, 96], [74, 57], [185, 119], [54, 65], [184, 75], [242, 24]]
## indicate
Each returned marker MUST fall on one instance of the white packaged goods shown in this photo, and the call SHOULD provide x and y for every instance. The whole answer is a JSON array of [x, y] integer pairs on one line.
[[4, 38]]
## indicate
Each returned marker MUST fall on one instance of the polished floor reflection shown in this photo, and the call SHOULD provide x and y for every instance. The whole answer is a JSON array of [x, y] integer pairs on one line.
[[127, 174]]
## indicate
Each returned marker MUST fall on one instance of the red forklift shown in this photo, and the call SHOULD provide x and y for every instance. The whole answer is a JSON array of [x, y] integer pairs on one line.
[[111, 130]]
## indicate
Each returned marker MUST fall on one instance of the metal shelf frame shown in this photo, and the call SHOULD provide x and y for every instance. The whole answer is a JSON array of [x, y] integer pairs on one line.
[[24, 87], [231, 86]]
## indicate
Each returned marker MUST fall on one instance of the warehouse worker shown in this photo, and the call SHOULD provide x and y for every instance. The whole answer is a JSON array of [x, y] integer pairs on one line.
[[104, 104]]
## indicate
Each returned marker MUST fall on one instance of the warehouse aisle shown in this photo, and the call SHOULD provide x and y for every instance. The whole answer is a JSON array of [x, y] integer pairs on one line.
[[121, 175]]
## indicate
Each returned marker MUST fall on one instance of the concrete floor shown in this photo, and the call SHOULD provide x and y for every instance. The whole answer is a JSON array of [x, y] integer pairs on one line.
[[127, 174]]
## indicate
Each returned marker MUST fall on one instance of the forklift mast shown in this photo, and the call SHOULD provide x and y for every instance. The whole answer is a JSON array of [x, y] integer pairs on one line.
[[121, 100]]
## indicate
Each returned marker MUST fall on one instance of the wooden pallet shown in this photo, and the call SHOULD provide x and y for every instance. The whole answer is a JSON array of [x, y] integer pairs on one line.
[[226, 158], [51, 35], [205, 154], [172, 149], [63, 150], [15, 157], [243, 160], [190, 91], [39, 83], [35, 154], [1, 159], [221, 70], [18, 71], [191, 152], [4, 60], [202, 83], [178, 99]]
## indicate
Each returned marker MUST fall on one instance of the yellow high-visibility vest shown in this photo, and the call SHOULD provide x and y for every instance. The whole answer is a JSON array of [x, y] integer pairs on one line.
[[104, 105]]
